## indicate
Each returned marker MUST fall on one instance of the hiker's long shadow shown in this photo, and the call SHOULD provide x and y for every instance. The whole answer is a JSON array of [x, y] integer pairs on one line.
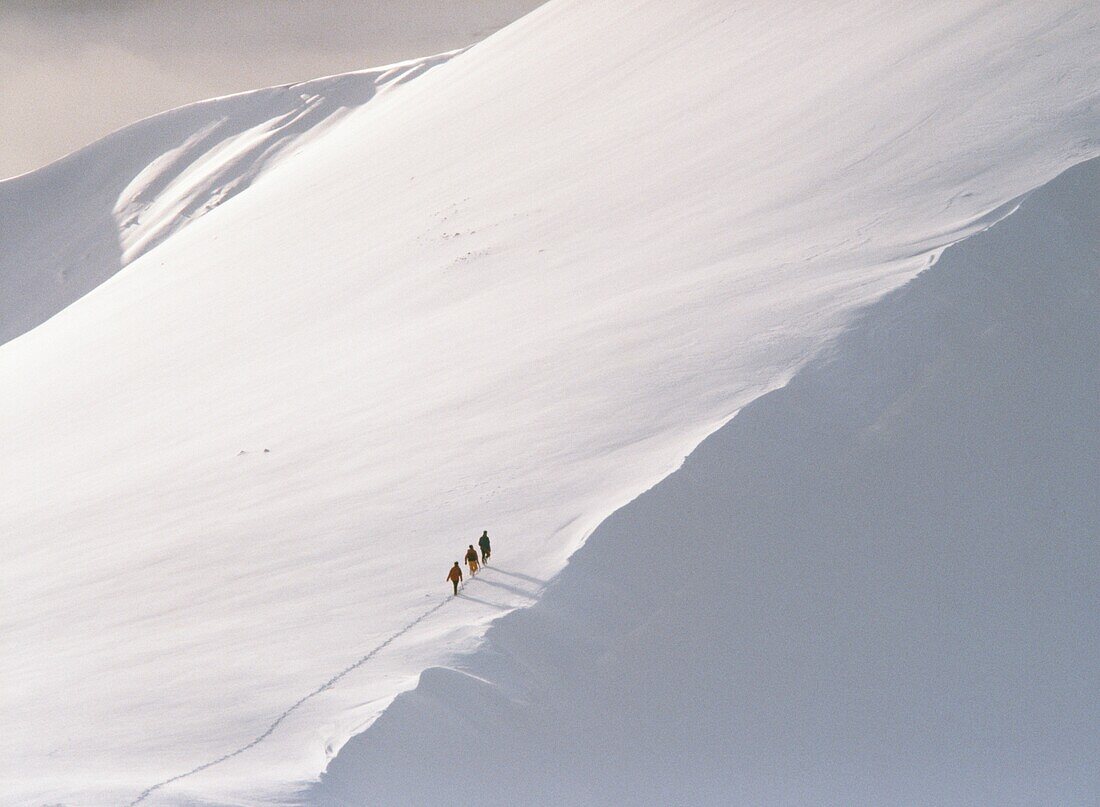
[[463, 595], [528, 578], [507, 587]]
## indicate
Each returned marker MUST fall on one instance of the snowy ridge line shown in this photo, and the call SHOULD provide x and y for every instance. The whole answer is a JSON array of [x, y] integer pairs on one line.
[[275, 724], [513, 292]]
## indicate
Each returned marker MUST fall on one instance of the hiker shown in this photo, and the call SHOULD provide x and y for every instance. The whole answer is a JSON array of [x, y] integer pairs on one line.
[[483, 542], [471, 560], [455, 576]]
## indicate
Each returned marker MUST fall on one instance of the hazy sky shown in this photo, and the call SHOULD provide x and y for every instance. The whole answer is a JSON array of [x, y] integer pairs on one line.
[[74, 70]]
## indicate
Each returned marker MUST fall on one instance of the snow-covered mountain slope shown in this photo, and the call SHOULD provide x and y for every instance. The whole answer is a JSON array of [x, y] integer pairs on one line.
[[511, 296], [70, 226], [874, 586]]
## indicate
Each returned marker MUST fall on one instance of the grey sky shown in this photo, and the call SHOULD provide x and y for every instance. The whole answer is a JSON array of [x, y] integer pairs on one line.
[[73, 71]]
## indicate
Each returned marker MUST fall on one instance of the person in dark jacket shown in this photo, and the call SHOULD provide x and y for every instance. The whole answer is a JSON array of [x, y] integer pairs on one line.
[[455, 576], [483, 542], [471, 560]]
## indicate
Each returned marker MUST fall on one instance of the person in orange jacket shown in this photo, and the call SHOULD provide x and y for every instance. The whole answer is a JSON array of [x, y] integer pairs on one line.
[[455, 576], [471, 560]]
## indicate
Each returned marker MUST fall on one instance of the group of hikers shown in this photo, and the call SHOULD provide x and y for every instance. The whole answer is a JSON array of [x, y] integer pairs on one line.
[[455, 574]]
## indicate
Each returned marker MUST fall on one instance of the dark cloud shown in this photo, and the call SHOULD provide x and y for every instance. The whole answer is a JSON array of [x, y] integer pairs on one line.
[[73, 70]]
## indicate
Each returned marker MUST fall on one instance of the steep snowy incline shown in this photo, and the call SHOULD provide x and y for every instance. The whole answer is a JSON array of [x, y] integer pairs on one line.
[[876, 586], [68, 227], [510, 296]]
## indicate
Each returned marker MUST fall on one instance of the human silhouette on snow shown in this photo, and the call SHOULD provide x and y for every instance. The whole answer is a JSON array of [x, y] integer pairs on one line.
[[483, 542], [455, 576], [471, 560]]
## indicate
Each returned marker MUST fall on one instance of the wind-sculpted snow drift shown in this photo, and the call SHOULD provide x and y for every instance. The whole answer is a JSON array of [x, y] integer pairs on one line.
[[512, 295], [874, 586]]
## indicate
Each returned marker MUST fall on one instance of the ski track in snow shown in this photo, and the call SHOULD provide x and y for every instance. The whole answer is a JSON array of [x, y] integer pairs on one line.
[[329, 684]]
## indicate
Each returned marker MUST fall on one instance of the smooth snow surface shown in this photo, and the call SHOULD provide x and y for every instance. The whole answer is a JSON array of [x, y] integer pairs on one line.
[[511, 295], [876, 586]]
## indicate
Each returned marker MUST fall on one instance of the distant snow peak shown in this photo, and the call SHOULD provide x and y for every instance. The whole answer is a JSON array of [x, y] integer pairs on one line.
[[127, 193], [226, 155]]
